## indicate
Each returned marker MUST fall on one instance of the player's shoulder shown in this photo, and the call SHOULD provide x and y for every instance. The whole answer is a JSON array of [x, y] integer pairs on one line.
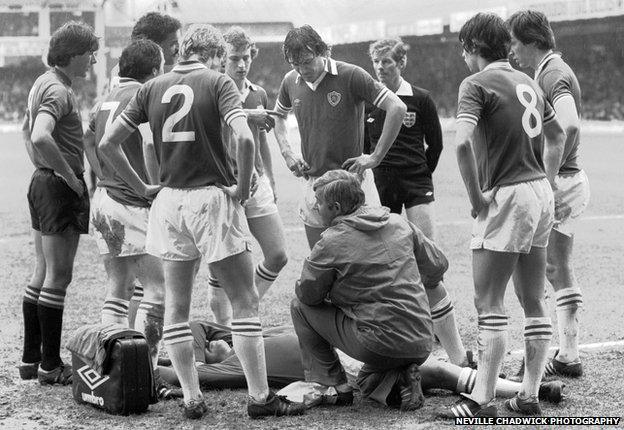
[[420, 93], [257, 88], [290, 77]]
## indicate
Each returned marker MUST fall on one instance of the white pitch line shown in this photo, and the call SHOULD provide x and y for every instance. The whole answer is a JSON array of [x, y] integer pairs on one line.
[[294, 229], [587, 346]]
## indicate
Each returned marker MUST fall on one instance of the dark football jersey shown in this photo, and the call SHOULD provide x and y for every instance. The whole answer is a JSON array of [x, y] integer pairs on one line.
[[558, 80], [184, 109], [52, 93], [105, 114], [509, 110]]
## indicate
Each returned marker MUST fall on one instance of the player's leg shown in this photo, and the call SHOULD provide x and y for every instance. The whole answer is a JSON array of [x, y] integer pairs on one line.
[[390, 195], [150, 315], [177, 335], [529, 286], [423, 217], [59, 251], [560, 273], [491, 272], [135, 302], [269, 233], [219, 302], [31, 355], [121, 275]]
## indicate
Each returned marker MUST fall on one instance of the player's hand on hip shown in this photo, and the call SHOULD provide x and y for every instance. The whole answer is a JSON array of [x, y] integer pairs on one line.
[[236, 193], [483, 202], [360, 164]]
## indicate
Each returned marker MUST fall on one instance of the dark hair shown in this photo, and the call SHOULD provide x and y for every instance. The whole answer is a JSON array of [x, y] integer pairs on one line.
[[340, 186], [70, 40], [301, 40], [155, 26], [237, 37], [396, 47], [531, 26], [485, 34], [139, 59]]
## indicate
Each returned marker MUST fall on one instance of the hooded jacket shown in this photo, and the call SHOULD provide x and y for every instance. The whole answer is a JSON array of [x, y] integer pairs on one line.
[[372, 264]]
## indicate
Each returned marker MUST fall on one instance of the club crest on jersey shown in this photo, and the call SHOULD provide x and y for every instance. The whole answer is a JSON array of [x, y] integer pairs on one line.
[[409, 119], [334, 98]]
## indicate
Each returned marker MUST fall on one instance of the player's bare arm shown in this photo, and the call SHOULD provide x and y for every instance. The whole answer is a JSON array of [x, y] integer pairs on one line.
[[468, 166], [395, 112], [244, 158], [261, 118], [27, 141], [553, 149], [293, 162], [91, 154], [568, 117], [267, 160], [110, 147], [44, 144], [152, 166]]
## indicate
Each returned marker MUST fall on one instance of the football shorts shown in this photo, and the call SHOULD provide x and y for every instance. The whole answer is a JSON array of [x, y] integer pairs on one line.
[[571, 199], [519, 217], [308, 211], [119, 230], [262, 203], [403, 187], [186, 224], [54, 207]]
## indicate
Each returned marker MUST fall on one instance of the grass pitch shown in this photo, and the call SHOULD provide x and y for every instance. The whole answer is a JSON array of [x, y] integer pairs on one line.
[[599, 256]]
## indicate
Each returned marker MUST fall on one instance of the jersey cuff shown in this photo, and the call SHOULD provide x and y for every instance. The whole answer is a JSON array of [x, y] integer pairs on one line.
[[550, 118], [234, 113], [467, 117], [562, 96], [381, 97], [280, 108], [125, 121]]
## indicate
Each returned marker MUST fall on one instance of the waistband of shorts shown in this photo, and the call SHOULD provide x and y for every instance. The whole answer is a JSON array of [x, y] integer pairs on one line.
[[570, 174], [528, 181], [49, 171]]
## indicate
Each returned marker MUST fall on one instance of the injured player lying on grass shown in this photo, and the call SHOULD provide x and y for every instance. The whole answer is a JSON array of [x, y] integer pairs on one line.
[[219, 368]]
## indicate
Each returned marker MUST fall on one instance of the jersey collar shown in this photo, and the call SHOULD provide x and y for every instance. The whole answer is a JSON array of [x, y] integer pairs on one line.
[[405, 89], [187, 66], [329, 67], [498, 64], [248, 86], [126, 82], [549, 56], [62, 76]]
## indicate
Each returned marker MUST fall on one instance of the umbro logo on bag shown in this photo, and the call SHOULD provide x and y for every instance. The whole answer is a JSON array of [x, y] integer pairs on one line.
[[91, 377], [334, 98]]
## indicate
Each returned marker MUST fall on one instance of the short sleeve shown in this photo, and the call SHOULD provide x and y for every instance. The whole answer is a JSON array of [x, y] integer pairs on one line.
[[264, 98], [135, 112], [549, 112], [228, 100], [470, 102], [556, 86], [55, 101], [283, 105], [366, 88]]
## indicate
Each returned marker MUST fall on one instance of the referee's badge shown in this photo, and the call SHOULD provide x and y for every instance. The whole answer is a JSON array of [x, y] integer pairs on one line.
[[410, 119], [334, 98]]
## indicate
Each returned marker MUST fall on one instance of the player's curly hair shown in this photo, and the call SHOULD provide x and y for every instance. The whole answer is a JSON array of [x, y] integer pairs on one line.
[[70, 40], [155, 26], [238, 38], [486, 35], [139, 59], [395, 46], [303, 39], [203, 40], [531, 26], [340, 186]]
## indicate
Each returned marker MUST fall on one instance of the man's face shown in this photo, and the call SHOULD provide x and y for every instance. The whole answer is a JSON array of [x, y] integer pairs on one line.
[[170, 47], [308, 65], [388, 71], [217, 351], [471, 61], [81, 64], [520, 52], [327, 211], [237, 62]]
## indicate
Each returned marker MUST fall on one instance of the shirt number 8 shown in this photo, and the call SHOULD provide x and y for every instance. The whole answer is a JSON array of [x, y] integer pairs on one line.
[[530, 106]]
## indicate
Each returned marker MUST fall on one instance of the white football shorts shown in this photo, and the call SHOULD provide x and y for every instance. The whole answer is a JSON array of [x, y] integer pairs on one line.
[[262, 203], [186, 224], [571, 199], [519, 217], [119, 230]]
